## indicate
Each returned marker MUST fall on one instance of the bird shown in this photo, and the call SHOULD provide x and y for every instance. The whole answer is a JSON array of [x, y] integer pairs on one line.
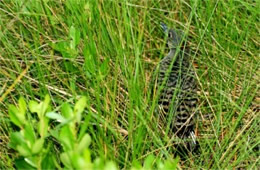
[[176, 88]]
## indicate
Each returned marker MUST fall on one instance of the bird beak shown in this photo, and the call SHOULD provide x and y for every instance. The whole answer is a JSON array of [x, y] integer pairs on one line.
[[164, 27]]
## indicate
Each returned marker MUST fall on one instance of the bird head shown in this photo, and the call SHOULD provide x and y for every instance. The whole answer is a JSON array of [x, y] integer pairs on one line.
[[173, 37]]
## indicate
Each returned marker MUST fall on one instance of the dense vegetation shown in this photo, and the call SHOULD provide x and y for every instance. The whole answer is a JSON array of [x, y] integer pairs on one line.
[[105, 50]]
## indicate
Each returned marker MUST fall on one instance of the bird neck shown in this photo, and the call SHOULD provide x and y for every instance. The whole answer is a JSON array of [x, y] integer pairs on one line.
[[177, 57], [172, 52], [170, 56]]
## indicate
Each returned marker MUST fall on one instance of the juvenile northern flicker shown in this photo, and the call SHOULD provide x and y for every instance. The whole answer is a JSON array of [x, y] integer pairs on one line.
[[177, 88]]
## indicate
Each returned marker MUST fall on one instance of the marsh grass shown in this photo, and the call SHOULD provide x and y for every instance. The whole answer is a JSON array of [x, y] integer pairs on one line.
[[106, 50]]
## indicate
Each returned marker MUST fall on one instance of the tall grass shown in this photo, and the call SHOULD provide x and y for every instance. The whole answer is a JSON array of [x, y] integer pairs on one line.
[[106, 50]]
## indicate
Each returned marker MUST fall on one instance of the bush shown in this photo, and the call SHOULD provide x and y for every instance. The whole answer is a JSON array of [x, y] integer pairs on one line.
[[35, 146]]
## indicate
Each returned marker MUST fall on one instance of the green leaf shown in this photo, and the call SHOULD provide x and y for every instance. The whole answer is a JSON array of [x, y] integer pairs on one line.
[[23, 150], [84, 143], [54, 133], [49, 161], [68, 49], [149, 161], [18, 142], [110, 166], [22, 105], [74, 35], [31, 161], [79, 108], [160, 165], [65, 159], [67, 111], [78, 162], [16, 138], [87, 155], [56, 116], [63, 48], [43, 126], [104, 68], [13, 113], [34, 107], [171, 164], [67, 138], [90, 63], [37, 147], [20, 163], [136, 165], [29, 134], [98, 163], [45, 105]]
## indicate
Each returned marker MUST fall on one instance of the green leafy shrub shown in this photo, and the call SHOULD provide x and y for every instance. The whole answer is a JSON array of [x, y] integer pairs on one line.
[[35, 148], [30, 141]]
